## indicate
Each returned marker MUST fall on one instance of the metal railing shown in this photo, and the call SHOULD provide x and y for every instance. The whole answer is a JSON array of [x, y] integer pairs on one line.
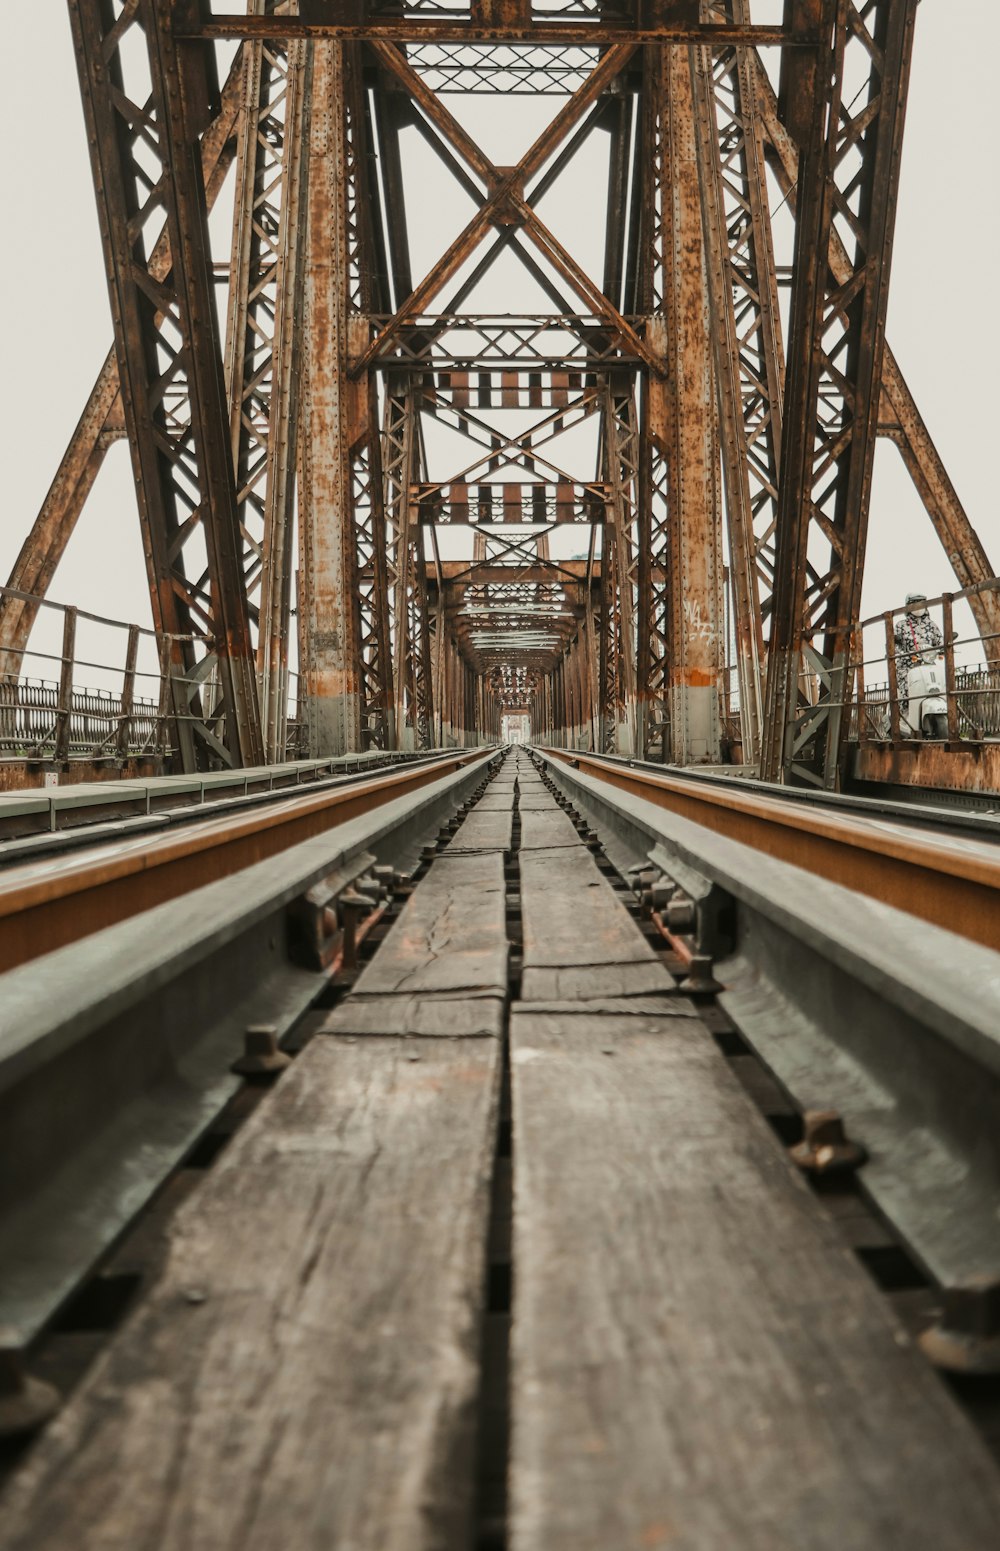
[[38, 721], [877, 699], [47, 714]]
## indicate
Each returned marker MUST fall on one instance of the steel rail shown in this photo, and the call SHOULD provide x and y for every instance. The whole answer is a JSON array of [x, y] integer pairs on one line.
[[47, 904], [854, 1006], [944, 879], [43, 822], [117, 1050]]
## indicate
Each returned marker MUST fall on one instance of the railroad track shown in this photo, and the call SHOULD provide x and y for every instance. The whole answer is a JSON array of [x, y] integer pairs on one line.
[[693, 1060], [138, 862], [942, 866]]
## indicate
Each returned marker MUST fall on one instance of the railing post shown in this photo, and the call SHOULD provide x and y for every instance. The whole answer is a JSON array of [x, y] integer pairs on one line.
[[163, 716], [64, 708], [128, 694], [951, 699], [858, 679], [890, 658]]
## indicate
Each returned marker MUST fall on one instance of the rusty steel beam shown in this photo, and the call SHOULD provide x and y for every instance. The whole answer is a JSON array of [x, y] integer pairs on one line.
[[344, 647], [848, 181], [680, 26], [748, 346], [504, 203], [680, 570], [900, 419], [263, 349], [102, 422], [146, 156]]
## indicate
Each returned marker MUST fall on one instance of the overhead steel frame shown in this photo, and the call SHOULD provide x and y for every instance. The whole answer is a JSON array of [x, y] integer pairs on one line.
[[736, 238]]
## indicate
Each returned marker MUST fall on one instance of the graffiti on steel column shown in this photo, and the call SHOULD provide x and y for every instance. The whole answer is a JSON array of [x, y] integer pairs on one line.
[[699, 627]]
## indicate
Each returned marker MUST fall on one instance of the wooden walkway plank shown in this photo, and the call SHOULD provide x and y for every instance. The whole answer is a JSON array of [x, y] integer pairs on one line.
[[545, 829], [699, 1364], [540, 801], [304, 1374], [451, 934], [496, 802], [461, 1015], [579, 940], [484, 830]]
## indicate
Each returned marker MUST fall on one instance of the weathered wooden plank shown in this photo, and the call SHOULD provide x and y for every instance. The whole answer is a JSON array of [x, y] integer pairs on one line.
[[540, 801], [304, 1373], [543, 829], [650, 1007], [450, 935], [698, 1363], [459, 1016], [496, 802], [592, 982], [579, 940], [484, 830]]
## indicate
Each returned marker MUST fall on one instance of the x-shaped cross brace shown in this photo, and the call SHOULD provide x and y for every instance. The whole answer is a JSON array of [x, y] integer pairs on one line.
[[505, 203]]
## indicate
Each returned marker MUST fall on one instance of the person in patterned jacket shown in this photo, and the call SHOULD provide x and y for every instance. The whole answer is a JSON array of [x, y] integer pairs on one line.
[[918, 638]]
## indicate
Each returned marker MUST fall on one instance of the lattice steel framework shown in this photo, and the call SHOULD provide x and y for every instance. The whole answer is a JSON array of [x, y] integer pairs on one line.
[[145, 99], [340, 369]]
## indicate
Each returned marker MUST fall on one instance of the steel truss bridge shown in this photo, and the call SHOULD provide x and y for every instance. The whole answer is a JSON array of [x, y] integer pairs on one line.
[[714, 445]]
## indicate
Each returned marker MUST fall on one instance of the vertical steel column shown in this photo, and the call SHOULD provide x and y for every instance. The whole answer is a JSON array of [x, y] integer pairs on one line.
[[346, 671], [334, 420], [263, 348], [749, 355], [620, 559], [681, 426]]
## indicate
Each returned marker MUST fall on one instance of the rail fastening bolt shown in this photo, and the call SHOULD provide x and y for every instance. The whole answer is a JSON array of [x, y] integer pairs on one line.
[[699, 980], [825, 1147], [966, 1338], [680, 915], [262, 1056], [26, 1403]]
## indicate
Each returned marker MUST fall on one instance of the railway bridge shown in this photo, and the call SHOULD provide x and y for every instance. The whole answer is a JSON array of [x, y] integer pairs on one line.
[[500, 970]]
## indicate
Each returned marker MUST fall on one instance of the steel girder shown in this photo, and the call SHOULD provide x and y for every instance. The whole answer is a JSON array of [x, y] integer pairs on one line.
[[900, 419], [412, 667], [146, 100], [749, 352], [344, 641], [102, 421], [680, 561], [263, 348], [373, 621], [848, 180]]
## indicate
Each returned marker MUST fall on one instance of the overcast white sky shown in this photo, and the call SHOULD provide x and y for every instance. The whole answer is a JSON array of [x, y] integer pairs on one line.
[[943, 321]]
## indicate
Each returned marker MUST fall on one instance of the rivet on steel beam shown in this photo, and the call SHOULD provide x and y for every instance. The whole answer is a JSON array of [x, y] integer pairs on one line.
[[825, 1147], [261, 1054], [966, 1339], [26, 1404], [699, 980], [428, 853]]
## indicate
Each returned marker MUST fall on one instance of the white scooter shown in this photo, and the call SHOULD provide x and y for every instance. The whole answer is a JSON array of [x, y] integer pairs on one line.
[[926, 713]]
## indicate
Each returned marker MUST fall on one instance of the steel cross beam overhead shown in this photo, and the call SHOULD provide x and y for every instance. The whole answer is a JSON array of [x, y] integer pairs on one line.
[[561, 470]]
